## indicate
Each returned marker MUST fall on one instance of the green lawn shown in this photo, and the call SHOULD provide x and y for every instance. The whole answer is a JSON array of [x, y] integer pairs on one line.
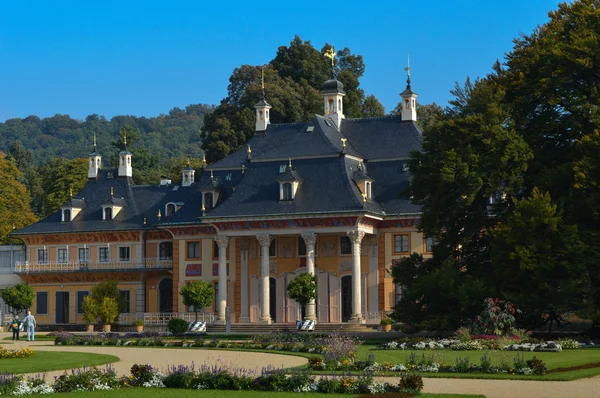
[[553, 360], [44, 361], [169, 393]]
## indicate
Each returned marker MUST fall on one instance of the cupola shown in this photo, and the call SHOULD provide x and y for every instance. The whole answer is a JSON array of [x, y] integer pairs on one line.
[[210, 193], [187, 176], [125, 169], [112, 206], [262, 109], [333, 94], [95, 161], [289, 181], [409, 100]]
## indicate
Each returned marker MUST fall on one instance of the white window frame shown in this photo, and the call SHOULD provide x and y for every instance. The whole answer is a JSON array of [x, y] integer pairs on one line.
[[64, 260], [121, 260], [100, 257]]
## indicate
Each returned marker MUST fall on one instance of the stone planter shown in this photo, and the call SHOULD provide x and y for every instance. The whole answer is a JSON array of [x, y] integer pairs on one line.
[[139, 328], [386, 328], [106, 328], [90, 328]]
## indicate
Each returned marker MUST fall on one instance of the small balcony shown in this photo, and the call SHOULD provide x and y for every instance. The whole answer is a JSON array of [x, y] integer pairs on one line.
[[29, 267]]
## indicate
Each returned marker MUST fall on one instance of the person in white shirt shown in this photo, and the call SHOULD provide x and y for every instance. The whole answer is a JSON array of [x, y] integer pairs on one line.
[[30, 325]]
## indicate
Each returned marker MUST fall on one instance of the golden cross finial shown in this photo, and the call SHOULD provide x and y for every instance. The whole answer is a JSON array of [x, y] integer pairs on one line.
[[94, 138], [407, 69], [125, 137], [204, 160], [249, 152], [158, 215], [203, 210], [262, 78], [330, 53], [344, 142]]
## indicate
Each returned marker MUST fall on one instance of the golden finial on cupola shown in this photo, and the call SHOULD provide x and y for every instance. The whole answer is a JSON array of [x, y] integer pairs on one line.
[[159, 215], [249, 152], [204, 160]]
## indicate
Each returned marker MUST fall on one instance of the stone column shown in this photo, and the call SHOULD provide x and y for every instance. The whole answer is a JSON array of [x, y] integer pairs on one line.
[[244, 317], [222, 242], [356, 238], [310, 240], [374, 273], [264, 294]]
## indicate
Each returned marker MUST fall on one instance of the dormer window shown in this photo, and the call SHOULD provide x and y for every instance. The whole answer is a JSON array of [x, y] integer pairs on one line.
[[363, 181], [108, 213], [170, 208], [69, 210], [66, 215], [288, 180], [368, 190]]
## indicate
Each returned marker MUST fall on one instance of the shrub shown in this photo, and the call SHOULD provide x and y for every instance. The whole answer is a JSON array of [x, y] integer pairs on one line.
[[387, 321], [108, 311], [497, 317], [137, 322], [411, 381], [90, 309], [537, 366], [141, 374], [177, 326], [87, 379], [463, 334], [180, 377]]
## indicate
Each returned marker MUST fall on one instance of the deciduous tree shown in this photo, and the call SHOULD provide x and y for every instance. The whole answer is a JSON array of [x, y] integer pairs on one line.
[[198, 294]]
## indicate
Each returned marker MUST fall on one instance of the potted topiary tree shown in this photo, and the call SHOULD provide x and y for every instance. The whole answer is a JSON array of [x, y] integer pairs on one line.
[[303, 289], [386, 324], [90, 312], [108, 312], [139, 325]]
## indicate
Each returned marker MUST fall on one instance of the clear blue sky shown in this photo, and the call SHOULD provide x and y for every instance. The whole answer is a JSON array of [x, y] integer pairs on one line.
[[144, 58]]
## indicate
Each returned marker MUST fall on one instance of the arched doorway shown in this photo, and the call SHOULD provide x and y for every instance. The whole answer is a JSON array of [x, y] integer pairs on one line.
[[273, 298], [165, 295], [346, 298]]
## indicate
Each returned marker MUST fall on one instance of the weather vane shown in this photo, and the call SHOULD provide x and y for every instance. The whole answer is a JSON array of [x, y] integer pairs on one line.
[[407, 69], [330, 53]]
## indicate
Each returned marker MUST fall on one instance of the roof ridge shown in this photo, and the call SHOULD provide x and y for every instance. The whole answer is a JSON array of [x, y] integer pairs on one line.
[[355, 119], [292, 124]]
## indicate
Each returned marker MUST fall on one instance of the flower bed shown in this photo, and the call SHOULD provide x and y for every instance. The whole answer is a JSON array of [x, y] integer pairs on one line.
[[219, 376], [481, 343], [431, 363], [22, 353]]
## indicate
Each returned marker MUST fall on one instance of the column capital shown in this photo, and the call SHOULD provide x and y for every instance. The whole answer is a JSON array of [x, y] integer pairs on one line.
[[356, 236], [310, 238], [222, 241], [264, 239]]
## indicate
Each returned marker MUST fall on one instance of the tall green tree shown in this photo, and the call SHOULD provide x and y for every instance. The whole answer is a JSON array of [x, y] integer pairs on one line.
[[538, 260], [15, 210], [61, 177], [470, 159]]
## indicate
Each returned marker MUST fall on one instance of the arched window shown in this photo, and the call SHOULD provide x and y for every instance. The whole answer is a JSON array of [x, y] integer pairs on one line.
[[98, 162], [122, 160], [330, 110], [267, 113], [208, 200], [368, 189], [165, 250], [108, 213], [66, 215], [260, 115], [286, 191], [170, 209]]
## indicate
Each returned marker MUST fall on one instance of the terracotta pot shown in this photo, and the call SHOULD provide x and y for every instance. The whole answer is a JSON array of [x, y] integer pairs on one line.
[[90, 328], [139, 328], [106, 328], [386, 328]]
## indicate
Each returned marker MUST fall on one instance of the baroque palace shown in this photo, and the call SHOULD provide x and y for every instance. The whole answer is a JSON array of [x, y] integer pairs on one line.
[[324, 197]]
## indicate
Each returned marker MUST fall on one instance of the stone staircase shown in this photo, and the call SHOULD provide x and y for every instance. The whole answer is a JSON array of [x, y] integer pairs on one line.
[[324, 328]]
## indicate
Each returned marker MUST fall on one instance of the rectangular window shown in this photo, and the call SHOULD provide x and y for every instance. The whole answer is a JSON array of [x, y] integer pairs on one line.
[[124, 301], [103, 254], [84, 255], [215, 250], [42, 256], [63, 256], [428, 243], [401, 243], [41, 303], [193, 250], [80, 297], [124, 254], [345, 245], [273, 248]]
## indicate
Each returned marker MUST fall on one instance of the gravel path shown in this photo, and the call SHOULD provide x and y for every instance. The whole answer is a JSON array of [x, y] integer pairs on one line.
[[164, 357]]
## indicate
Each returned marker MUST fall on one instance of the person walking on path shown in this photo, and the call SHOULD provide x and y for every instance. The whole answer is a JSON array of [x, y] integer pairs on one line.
[[15, 325], [30, 325]]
